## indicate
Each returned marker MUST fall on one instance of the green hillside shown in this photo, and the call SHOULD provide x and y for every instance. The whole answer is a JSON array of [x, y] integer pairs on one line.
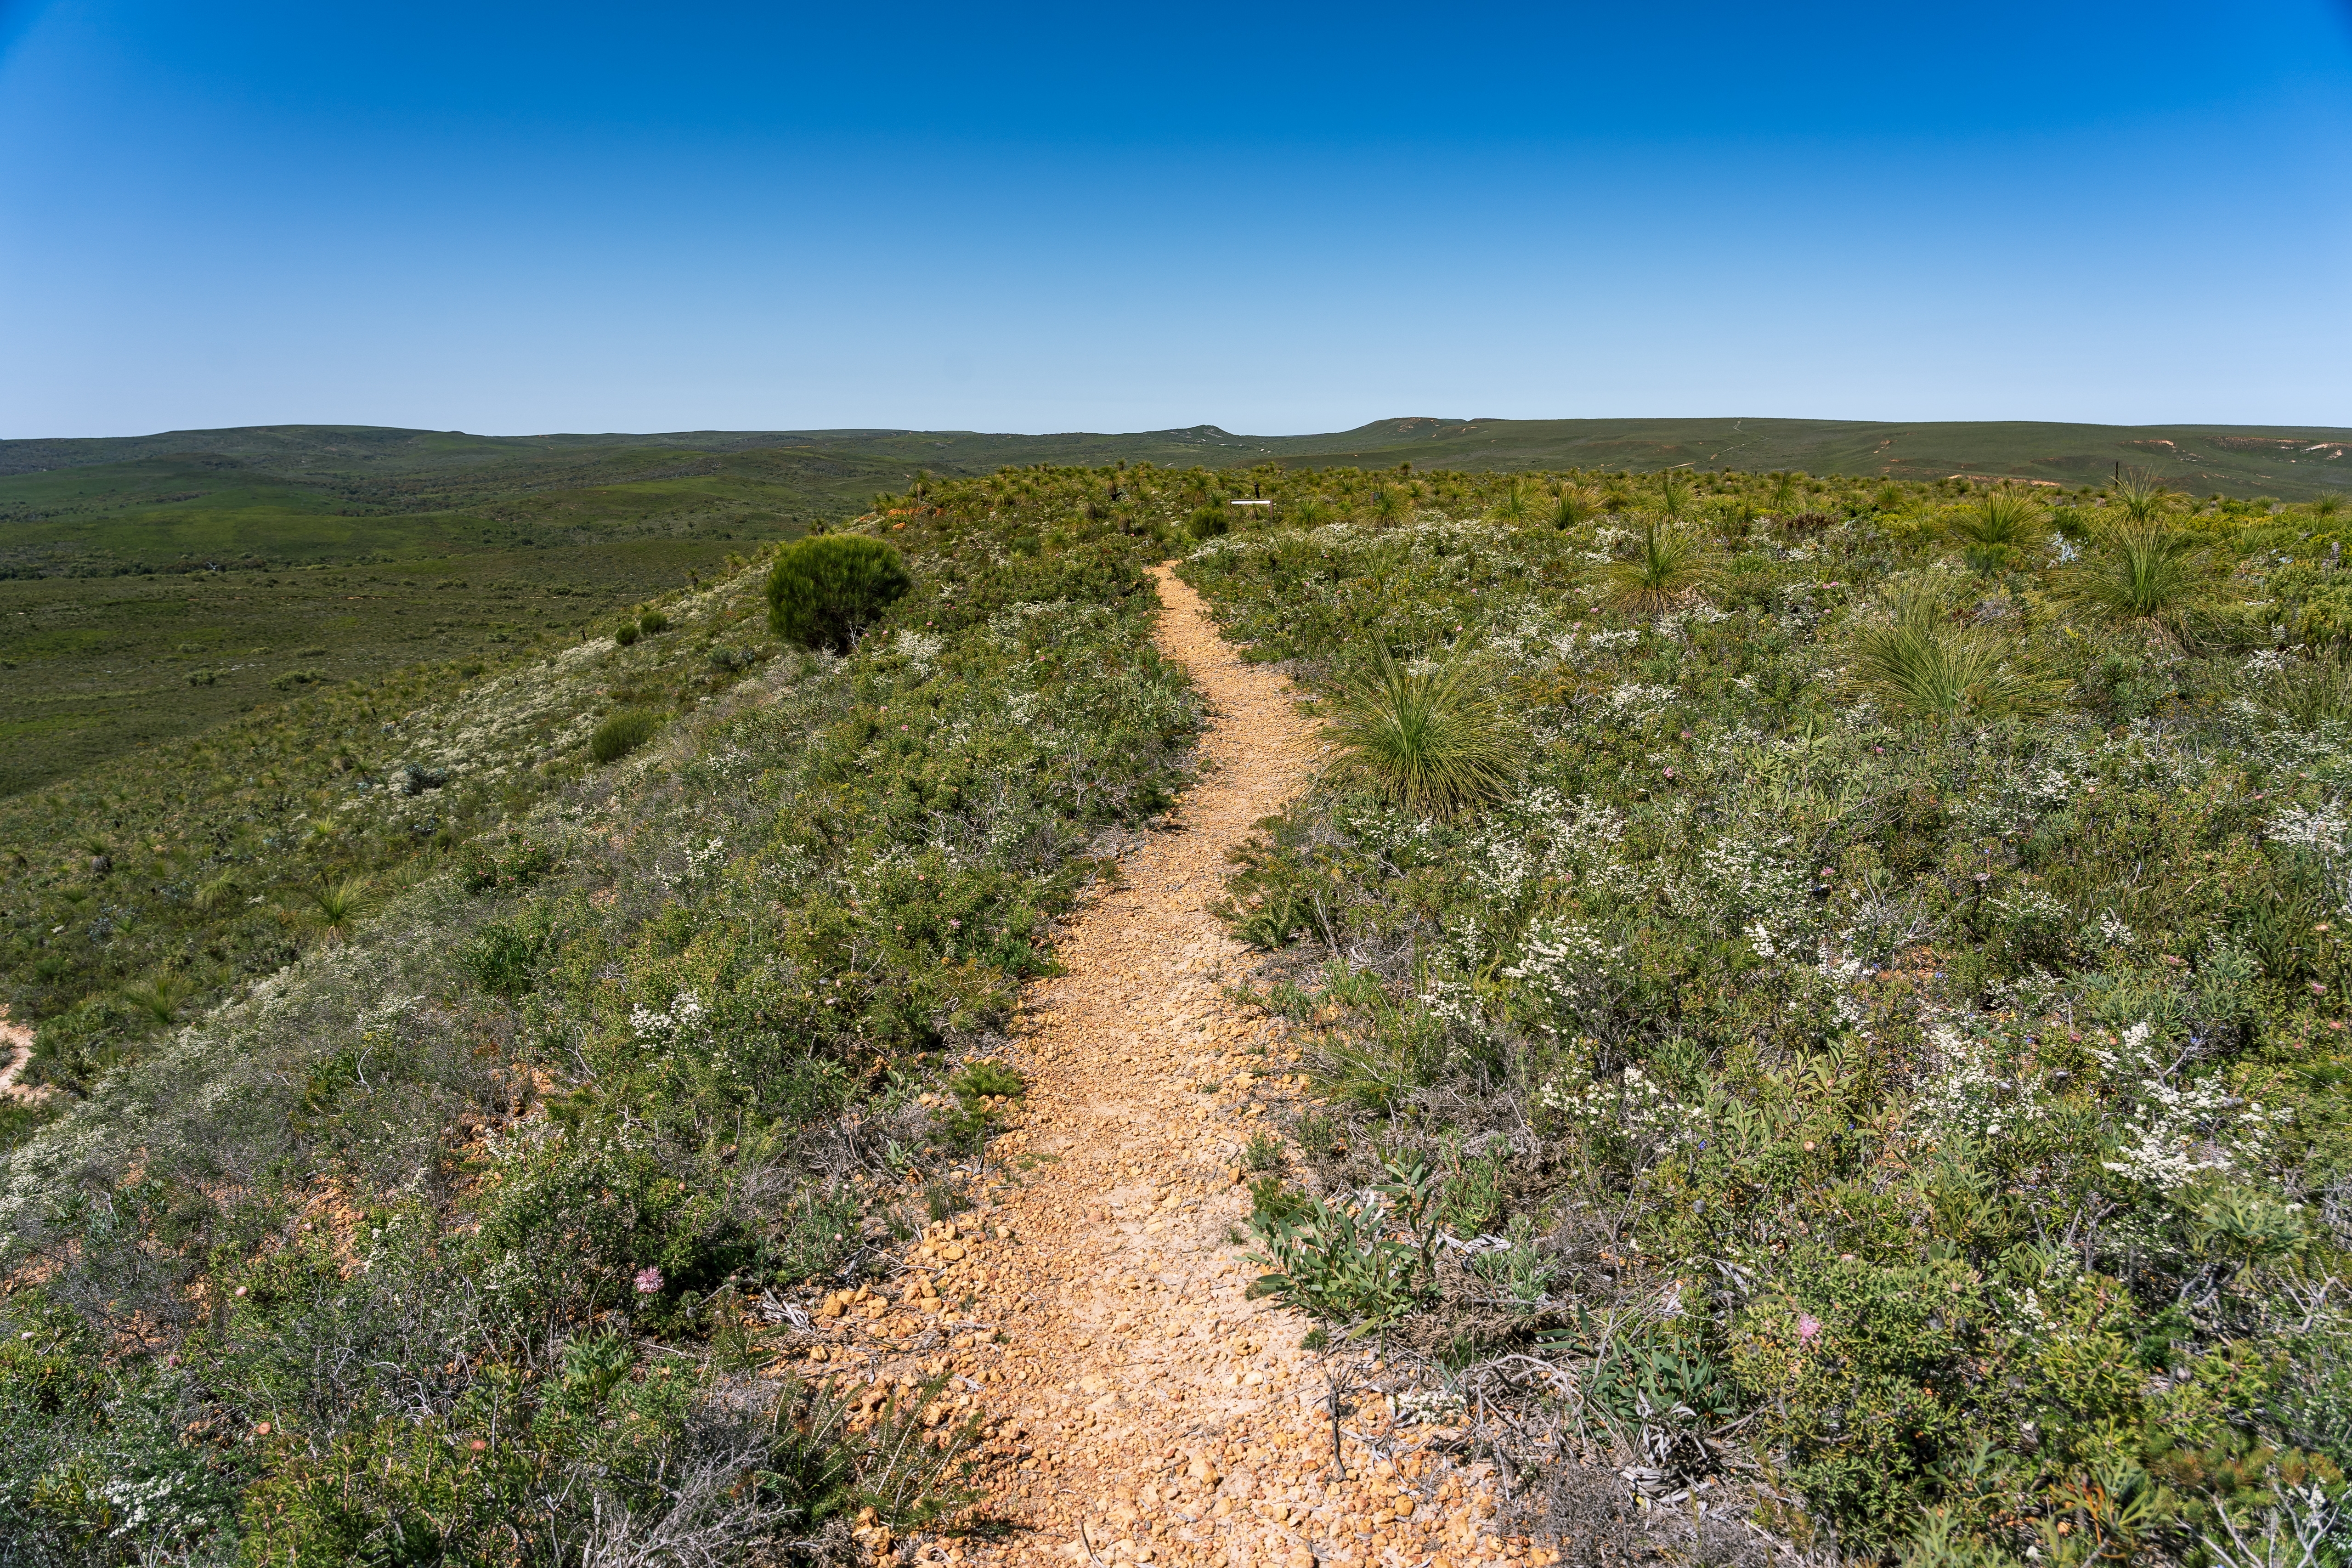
[[129, 566], [1825, 997]]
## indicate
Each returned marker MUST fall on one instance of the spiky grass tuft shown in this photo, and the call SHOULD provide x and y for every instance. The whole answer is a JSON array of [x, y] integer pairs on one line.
[[1993, 531], [1432, 742], [1921, 665], [2142, 571], [1665, 566]]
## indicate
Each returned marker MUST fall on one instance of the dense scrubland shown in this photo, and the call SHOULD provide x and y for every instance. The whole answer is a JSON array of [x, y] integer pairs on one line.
[[1825, 996]]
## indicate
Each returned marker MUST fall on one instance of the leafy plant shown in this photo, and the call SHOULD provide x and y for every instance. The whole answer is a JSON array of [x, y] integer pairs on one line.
[[1920, 665], [823, 593], [487, 865], [989, 1079], [626, 633], [622, 734], [1331, 1262], [1430, 741], [1664, 567]]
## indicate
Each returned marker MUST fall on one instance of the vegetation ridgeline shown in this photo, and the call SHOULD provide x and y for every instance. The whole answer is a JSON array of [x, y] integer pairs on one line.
[[455, 1238], [1819, 1008]]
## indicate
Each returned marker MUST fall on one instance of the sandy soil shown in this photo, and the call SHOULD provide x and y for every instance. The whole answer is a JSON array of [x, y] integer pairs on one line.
[[16, 1042], [1092, 1309]]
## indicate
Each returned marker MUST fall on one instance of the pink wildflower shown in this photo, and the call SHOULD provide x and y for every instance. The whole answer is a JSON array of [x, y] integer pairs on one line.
[[649, 1281], [1809, 1328]]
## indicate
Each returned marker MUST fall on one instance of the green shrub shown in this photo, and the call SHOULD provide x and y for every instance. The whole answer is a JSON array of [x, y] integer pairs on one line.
[[1207, 523], [622, 734], [653, 623], [984, 1081], [626, 633], [504, 957], [514, 862], [1921, 665], [823, 593], [1430, 742]]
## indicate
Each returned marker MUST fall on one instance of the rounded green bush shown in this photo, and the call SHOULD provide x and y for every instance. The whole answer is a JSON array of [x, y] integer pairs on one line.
[[823, 592], [622, 734], [626, 634], [653, 622]]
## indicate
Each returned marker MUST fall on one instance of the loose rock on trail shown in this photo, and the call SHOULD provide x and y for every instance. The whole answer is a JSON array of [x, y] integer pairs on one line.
[[1091, 1311]]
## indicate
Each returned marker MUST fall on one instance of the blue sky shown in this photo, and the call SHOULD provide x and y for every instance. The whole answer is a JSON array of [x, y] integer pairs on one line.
[[510, 219]]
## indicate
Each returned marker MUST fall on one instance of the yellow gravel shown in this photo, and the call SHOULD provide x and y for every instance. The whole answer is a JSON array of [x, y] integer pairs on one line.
[[1143, 1409]]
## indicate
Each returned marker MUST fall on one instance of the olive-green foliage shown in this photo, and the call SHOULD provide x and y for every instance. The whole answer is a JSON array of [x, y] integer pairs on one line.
[[2142, 571], [1920, 664], [1664, 567], [622, 734], [1429, 740], [626, 633], [1996, 528], [823, 591], [1878, 1079], [218, 846], [986, 1080], [726, 979]]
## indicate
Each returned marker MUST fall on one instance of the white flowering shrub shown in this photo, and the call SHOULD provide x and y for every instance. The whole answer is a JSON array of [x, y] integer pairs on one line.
[[1954, 1088]]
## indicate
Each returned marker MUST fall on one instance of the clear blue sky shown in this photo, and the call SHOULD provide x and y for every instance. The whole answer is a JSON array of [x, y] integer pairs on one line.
[[517, 217]]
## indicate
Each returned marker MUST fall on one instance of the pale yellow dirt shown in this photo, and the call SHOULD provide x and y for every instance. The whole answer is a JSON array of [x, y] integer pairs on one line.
[[1143, 1409], [16, 1041]]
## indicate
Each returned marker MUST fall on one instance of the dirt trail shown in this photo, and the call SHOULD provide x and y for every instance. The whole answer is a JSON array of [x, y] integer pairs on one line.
[[16, 1041], [1143, 1409]]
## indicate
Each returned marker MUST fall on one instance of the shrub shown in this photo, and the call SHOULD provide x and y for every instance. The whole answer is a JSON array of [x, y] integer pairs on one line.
[[1996, 528], [1664, 567], [622, 734], [653, 623], [1207, 523], [1575, 505], [512, 863], [986, 1080], [503, 959], [2141, 572], [1920, 665], [626, 633], [823, 593], [1430, 742]]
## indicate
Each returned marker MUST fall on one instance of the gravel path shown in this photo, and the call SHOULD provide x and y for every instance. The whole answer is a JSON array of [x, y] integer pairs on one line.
[[17, 1041], [1091, 1310]]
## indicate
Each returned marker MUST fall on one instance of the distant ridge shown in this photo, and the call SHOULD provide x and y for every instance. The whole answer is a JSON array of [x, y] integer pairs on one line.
[[2289, 462]]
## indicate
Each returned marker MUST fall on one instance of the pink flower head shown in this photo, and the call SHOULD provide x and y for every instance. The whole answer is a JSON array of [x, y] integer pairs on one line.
[[1809, 1328], [649, 1281]]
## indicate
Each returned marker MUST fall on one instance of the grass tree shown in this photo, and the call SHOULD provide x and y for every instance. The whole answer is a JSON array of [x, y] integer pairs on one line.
[[1517, 506], [1430, 741], [1665, 565], [1574, 505], [1921, 664], [334, 908], [1674, 494], [1992, 531], [2144, 572]]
